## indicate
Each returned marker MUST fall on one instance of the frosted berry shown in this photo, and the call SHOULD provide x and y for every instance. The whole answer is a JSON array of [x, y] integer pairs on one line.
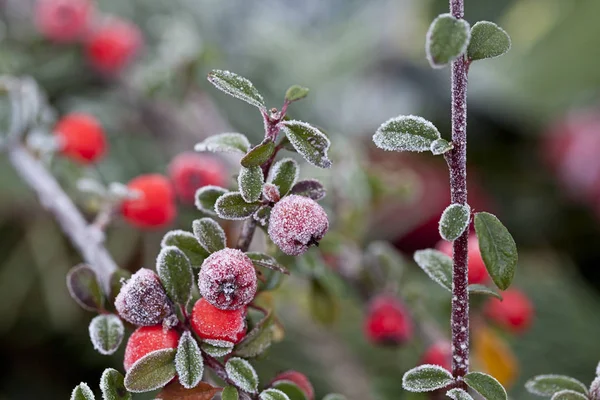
[[112, 45], [210, 322], [63, 20], [300, 380], [146, 340], [271, 192], [80, 137], [155, 205], [191, 171], [387, 321], [227, 279], [514, 313], [296, 223], [142, 300], [439, 353], [477, 271]]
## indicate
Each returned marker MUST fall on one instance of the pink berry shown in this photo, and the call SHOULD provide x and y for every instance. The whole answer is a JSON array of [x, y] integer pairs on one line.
[[439, 353], [191, 171], [271, 192], [63, 20], [387, 321], [113, 45], [143, 300], [210, 322], [227, 279], [146, 340], [477, 271], [296, 223]]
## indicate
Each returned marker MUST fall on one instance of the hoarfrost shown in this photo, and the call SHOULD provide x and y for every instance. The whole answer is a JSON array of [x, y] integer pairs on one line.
[[82, 392], [242, 374], [225, 143], [236, 86], [250, 183], [309, 142], [233, 206], [455, 219], [207, 196], [458, 394], [188, 361], [112, 385], [209, 234], [106, 333], [284, 175], [426, 378], [406, 133], [273, 394]]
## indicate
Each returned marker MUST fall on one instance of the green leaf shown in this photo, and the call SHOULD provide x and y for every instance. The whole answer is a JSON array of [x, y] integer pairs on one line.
[[84, 288], [217, 348], [310, 188], [242, 374], [209, 234], [568, 395], [440, 146], [284, 175], [207, 196], [447, 39], [112, 385], [236, 86], [498, 249], [233, 206], [257, 340], [225, 143], [437, 265], [250, 182], [488, 40], [82, 392], [323, 304], [152, 371], [296, 92], [175, 273], [106, 333], [189, 363], [426, 378], [477, 288], [406, 133], [266, 261], [454, 221], [486, 385], [259, 154], [309, 142], [229, 393], [334, 396], [273, 394], [458, 394], [548, 385], [186, 242], [291, 390]]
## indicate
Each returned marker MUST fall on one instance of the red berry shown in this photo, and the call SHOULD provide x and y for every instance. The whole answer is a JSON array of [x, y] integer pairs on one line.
[[146, 340], [80, 137], [514, 313], [477, 271], [227, 279], [113, 45], [63, 20], [387, 321], [143, 300], [210, 322], [299, 380], [155, 206], [439, 353], [190, 171], [296, 223]]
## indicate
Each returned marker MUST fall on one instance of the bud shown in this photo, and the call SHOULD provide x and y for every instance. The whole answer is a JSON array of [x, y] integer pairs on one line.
[[146, 340], [387, 321], [213, 323]]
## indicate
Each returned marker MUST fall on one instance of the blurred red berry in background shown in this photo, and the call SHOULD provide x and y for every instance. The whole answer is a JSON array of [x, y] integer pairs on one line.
[[190, 171], [155, 205], [63, 20], [299, 380], [514, 313], [148, 339], [210, 322], [477, 271], [439, 353], [112, 45], [80, 137], [388, 322]]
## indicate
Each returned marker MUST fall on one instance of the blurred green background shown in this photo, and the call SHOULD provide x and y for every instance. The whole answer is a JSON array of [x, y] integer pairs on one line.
[[364, 62]]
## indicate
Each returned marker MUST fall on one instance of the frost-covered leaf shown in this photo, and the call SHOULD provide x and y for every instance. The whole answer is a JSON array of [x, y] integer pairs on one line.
[[84, 287], [112, 385], [311, 188], [426, 378], [250, 182], [259, 154], [290, 389], [225, 143], [189, 363], [273, 394], [209, 234], [568, 395], [324, 306], [266, 261], [284, 175], [488, 40], [230, 393], [458, 394], [548, 385], [486, 385], [233, 206], [257, 340], [498, 249], [406, 133], [262, 215], [217, 348], [152, 371], [186, 242], [242, 373], [106, 333], [296, 92], [447, 38], [175, 273], [437, 265], [454, 221], [334, 396], [440, 146], [82, 392], [236, 86], [309, 142], [477, 288], [207, 196], [174, 391]]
